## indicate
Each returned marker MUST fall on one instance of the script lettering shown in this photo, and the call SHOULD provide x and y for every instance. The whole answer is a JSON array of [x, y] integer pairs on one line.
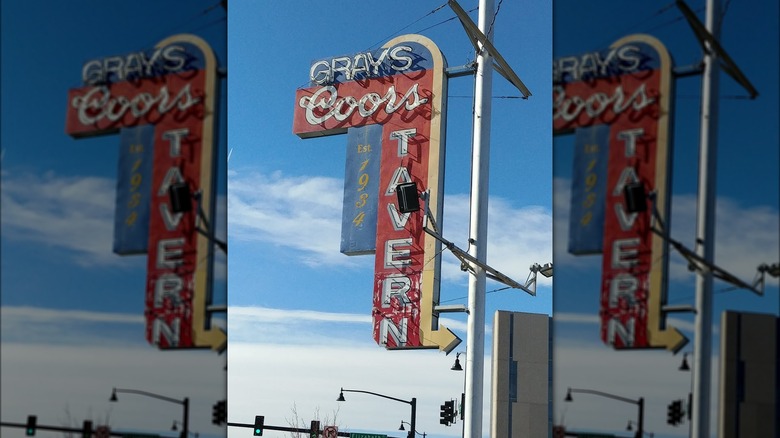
[[98, 104], [570, 108], [325, 103]]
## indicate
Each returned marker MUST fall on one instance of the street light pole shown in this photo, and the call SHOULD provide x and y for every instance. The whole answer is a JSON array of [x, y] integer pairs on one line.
[[185, 403], [705, 231], [186, 427], [412, 402], [480, 160], [640, 403], [641, 425]]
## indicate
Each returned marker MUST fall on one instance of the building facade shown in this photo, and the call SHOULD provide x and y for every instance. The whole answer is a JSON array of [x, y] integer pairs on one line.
[[521, 375]]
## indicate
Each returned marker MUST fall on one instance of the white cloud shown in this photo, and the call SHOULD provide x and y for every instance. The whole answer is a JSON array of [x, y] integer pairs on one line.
[[67, 375], [290, 326], [268, 315], [284, 358], [517, 237], [745, 236], [561, 206], [566, 321], [71, 213], [37, 325], [74, 213], [21, 315], [304, 214], [577, 318]]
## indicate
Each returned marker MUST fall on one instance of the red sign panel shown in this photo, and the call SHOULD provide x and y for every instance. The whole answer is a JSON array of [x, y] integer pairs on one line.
[[627, 87]]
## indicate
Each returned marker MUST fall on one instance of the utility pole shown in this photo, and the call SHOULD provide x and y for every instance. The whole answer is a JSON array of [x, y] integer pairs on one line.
[[480, 162], [705, 229]]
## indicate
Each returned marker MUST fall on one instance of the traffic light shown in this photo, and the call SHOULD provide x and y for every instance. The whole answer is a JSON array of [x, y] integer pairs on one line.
[[559, 432], [30, 430], [678, 411], [86, 429], [447, 413], [258, 430], [219, 412], [450, 405], [314, 430], [674, 413]]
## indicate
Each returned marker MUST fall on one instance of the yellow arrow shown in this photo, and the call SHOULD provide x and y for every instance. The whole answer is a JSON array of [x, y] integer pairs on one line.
[[669, 338], [214, 338], [443, 338]]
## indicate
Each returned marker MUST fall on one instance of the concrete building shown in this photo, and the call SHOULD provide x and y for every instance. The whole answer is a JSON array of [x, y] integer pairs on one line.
[[521, 375], [749, 401]]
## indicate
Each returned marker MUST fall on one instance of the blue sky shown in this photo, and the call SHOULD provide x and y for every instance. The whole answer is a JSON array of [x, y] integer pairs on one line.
[[72, 310], [300, 311], [747, 224]]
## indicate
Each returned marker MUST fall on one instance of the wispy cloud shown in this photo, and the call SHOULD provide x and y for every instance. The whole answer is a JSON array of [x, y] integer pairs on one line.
[[582, 318], [290, 326], [38, 325], [561, 206], [303, 213], [75, 214], [517, 237], [745, 236], [269, 315], [25, 314], [65, 212], [59, 362]]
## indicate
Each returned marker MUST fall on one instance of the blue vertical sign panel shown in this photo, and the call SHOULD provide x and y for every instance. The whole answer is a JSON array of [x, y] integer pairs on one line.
[[133, 190], [588, 190], [361, 190]]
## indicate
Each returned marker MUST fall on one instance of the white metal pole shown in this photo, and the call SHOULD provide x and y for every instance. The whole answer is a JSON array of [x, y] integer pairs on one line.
[[480, 160], [705, 232]]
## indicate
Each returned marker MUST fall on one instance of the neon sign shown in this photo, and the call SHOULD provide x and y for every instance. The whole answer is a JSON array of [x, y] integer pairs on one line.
[[618, 102], [162, 103], [390, 103]]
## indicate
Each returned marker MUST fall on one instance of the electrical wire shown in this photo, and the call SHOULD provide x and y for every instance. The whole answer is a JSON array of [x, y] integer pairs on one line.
[[638, 26], [398, 32], [186, 22], [723, 13], [492, 22]]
